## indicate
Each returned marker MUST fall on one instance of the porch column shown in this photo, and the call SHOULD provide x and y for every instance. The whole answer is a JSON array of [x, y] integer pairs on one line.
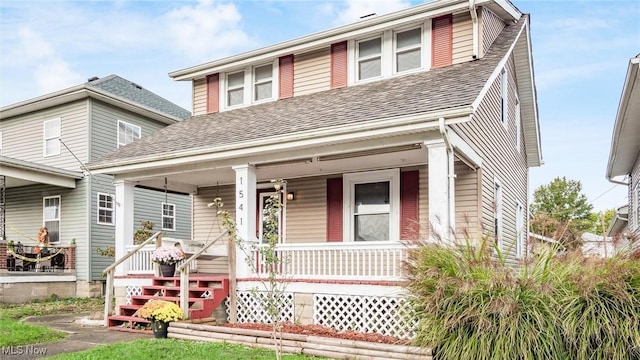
[[245, 215], [124, 222], [441, 190]]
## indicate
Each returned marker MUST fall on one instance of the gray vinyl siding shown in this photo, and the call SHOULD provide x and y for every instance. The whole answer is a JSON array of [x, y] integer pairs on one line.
[[312, 72], [207, 225], [24, 217], [462, 43], [491, 25], [496, 145], [23, 135], [148, 207], [104, 127], [199, 93]]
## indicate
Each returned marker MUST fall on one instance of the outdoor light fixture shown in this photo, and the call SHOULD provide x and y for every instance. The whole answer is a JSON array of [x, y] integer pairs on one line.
[[291, 196]]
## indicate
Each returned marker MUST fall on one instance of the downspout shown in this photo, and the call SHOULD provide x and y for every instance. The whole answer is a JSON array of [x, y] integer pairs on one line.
[[450, 176], [475, 28]]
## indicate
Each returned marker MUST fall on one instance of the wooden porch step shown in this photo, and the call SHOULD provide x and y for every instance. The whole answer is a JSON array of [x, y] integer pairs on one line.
[[129, 323]]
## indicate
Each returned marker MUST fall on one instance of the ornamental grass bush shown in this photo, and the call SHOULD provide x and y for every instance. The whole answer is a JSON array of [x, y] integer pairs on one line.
[[470, 304]]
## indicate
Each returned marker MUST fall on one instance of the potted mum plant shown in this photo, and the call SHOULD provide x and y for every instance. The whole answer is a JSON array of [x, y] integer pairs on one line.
[[160, 313], [167, 257]]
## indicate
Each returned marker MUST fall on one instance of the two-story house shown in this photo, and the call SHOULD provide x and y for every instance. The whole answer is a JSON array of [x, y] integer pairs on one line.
[[624, 158], [45, 143], [419, 124]]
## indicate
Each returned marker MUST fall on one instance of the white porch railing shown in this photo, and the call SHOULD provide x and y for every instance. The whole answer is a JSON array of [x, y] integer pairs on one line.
[[140, 262], [338, 261]]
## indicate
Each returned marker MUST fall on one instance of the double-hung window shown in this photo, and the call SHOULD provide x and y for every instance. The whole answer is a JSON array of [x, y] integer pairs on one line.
[[267, 211], [168, 217], [106, 208], [127, 133], [372, 205], [263, 82], [235, 89], [408, 50], [369, 58], [51, 145], [51, 217]]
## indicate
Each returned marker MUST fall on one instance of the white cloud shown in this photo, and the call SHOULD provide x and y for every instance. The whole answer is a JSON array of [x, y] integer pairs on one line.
[[206, 31], [357, 8], [55, 74], [555, 76]]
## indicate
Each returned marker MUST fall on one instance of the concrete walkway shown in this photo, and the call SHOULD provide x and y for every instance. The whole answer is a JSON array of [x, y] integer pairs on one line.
[[80, 337]]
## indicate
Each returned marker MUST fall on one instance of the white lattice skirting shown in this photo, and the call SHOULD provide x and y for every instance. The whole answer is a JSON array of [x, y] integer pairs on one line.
[[132, 291], [252, 307], [375, 314]]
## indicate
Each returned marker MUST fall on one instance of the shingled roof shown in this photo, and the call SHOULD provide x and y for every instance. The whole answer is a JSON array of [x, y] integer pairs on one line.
[[438, 89], [133, 92]]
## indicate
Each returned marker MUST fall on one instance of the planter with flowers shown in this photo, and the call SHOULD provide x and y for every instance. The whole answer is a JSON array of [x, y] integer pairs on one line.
[[160, 313], [167, 257]]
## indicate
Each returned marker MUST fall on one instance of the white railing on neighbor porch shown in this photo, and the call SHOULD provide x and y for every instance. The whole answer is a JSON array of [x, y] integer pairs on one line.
[[140, 262], [373, 261]]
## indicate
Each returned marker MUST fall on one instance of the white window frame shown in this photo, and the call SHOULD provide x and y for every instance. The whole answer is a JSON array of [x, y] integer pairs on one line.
[[504, 95], [520, 231], [381, 55], [55, 136], [163, 216], [262, 197], [228, 88], [126, 125], [397, 51], [100, 208], [497, 213], [44, 214], [248, 95], [518, 123], [389, 53], [255, 82], [348, 184]]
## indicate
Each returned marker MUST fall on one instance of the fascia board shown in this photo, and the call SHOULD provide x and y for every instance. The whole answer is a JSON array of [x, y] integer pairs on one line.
[[134, 107], [384, 127], [629, 84]]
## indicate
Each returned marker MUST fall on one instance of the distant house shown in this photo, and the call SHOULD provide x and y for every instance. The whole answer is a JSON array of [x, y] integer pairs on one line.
[[386, 130], [44, 144], [624, 157]]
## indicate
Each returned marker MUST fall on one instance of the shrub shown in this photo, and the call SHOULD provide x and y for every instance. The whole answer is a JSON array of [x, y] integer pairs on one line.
[[471, 305]]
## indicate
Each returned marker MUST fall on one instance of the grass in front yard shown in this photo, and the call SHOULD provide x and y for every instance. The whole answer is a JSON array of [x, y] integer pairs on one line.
[[14, 332], [175, 349]]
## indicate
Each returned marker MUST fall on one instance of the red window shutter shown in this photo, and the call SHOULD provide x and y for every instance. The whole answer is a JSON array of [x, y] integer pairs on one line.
[[285, 68], [442, 41], [409, 190], [213, 93], [339, 65], [334, 210]]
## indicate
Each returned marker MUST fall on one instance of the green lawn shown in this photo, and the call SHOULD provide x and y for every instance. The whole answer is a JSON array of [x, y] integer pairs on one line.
[[175, 349]]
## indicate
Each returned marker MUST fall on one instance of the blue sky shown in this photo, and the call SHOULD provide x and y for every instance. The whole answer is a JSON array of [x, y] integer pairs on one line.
[[581, 52]]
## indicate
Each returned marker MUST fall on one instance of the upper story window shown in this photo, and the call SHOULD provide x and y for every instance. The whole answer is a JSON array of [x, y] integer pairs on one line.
[[253, 84], [106, 209], [504, 86], [51, 142], [372, 202], [392, 52], [235, 89], [263, 82], [369, 58], [127, 133], [168, 217], [408, 50]]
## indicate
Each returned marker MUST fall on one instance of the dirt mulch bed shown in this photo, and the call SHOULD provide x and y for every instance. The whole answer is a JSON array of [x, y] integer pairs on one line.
[[319, 330]]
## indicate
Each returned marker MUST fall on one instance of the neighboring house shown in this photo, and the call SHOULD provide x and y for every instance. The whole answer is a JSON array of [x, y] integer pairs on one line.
[[624, 157], [45, 142], [597, 245], [386, 130]]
